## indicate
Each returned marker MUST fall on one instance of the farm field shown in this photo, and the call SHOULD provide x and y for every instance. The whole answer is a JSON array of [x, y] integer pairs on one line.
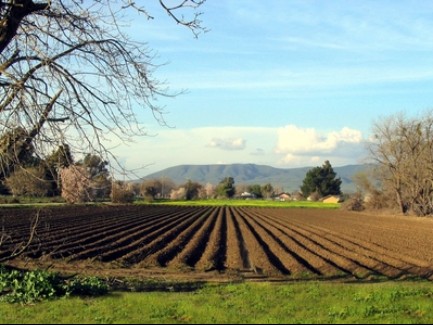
[[222, 243]]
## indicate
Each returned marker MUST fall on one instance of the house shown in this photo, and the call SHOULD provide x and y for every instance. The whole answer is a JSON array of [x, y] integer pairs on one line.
[[332, 199], [248, 195], [283, 197]]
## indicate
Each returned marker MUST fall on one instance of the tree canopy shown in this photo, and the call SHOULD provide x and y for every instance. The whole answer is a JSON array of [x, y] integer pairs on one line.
[[322, 181], [226, 188]]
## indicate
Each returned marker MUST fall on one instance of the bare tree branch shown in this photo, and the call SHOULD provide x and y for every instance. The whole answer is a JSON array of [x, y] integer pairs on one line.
[[77, 50]]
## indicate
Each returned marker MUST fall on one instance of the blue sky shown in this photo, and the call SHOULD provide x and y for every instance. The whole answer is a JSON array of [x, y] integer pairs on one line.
[[284, 83]]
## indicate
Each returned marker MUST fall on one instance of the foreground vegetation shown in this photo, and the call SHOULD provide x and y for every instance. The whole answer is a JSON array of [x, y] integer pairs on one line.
[[26, 287], [304, 302]]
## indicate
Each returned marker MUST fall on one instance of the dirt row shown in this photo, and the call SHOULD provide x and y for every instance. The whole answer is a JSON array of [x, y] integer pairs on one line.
[[248, 242]]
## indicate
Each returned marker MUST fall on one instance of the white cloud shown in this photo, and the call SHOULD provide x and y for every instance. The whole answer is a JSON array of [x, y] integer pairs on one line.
[[228, 144], [306, 146]]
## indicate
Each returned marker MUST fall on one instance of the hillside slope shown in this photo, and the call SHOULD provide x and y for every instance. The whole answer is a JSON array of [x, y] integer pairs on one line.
[[288, 179]]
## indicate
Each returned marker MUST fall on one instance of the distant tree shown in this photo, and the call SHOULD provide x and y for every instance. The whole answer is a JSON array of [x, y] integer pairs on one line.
[[61, 157], [29, 182], [167, 185], [208, 191], [100, 182], [150, 189], [95, 165], [375, 195], [121, 193], [256, 190], [58, 159], [226, 188], [267, 190], [192, 190], [321, 180], [16, 152], [178, 194]]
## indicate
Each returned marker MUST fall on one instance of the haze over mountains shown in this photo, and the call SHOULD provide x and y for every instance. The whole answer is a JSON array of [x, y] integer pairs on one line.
[[287, 179]]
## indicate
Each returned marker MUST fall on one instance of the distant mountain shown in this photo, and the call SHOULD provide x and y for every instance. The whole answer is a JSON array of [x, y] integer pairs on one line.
[[288, 179]]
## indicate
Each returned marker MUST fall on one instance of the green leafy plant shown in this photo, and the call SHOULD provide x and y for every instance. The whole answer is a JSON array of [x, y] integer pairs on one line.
[[90, 286], [32, 286], [28, 287]]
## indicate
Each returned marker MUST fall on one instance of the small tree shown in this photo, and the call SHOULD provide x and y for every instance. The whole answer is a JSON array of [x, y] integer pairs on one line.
[[226, 188], [192, 190], [178, 194], [150, 189], [96, 167], [58, 159], [208, 191], [321, 180], [256, 190], [267, 190]]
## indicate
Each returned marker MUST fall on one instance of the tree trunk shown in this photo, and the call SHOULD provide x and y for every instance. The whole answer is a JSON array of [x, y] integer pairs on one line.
[[16, 11]]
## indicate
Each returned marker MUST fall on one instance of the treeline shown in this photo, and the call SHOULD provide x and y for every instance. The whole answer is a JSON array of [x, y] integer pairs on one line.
[[166, 189], [88, 180]]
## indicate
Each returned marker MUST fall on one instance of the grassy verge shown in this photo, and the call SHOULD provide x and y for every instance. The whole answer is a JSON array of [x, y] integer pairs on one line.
[[252, 203], [304, 302]]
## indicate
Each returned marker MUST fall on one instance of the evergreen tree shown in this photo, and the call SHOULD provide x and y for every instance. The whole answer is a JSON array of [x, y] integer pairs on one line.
[[321, 180], [226, 188]]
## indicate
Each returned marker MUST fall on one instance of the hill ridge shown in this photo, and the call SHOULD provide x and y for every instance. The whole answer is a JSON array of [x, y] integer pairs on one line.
[[289, 179]]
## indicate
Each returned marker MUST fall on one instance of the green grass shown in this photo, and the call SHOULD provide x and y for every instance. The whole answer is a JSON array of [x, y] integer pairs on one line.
[[30, 202], [304, 302], [252, 203]]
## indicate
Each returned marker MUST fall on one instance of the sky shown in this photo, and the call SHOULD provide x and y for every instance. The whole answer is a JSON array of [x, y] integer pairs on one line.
[[283, 83]]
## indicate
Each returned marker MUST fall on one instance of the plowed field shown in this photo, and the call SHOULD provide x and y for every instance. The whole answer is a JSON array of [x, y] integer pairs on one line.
[[266, 243]]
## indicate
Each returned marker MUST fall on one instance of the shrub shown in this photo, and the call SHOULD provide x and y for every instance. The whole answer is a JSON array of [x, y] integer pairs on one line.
[[314, 197], [28, 182], [354, 203], [90, 286]]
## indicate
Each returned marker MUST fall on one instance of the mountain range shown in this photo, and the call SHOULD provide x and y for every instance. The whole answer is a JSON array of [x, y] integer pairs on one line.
[[288, 180]]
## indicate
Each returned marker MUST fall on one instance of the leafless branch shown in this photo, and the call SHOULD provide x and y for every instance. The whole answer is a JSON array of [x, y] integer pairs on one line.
[[78, 51]]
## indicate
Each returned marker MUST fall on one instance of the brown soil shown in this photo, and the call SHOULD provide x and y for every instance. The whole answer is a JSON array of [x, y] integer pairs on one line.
[[219, 244]]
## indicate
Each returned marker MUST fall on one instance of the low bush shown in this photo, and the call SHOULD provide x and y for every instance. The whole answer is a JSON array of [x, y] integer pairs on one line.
[[32, 286], [354, 203]]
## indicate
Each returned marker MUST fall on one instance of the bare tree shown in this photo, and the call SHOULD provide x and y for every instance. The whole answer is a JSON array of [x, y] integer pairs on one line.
[[69, 74], [403, 149]]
